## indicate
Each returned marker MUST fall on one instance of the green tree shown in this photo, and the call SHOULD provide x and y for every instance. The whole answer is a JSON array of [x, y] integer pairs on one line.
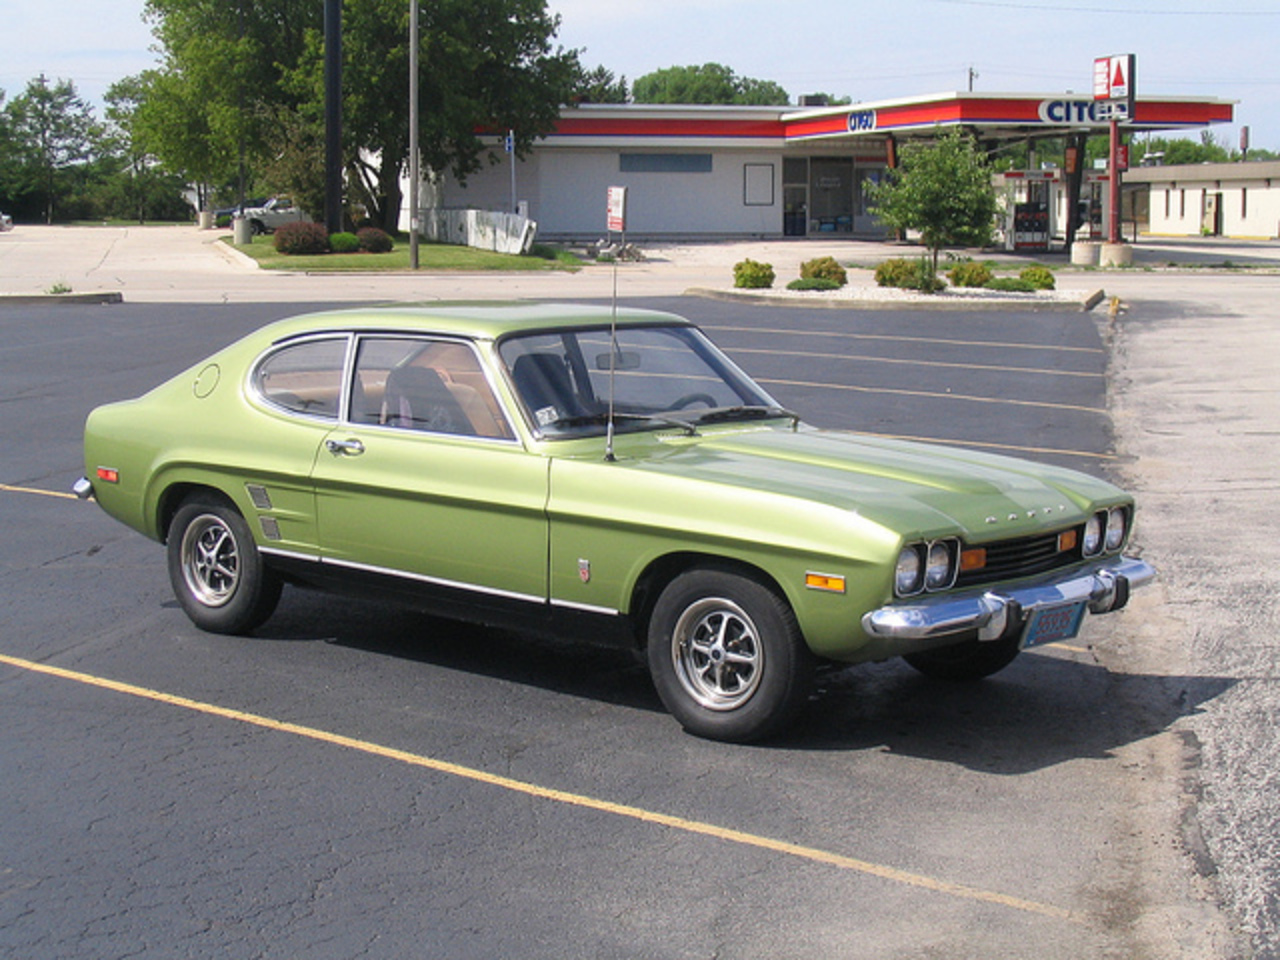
[[709, 83], [599, 86], [51, 131], [251, 72], [133, 184], [942, 189]]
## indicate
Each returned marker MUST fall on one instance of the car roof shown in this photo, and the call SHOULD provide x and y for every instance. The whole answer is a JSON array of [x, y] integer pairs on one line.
[[474, 320]]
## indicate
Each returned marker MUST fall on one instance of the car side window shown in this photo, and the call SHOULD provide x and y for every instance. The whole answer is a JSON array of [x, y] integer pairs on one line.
[[437, 386], [305, 377]]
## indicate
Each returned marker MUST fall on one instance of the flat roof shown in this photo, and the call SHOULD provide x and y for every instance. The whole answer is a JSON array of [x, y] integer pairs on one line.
[[989, 115]]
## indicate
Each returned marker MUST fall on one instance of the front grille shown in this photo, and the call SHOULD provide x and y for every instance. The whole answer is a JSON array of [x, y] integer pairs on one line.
[[1023, 557]]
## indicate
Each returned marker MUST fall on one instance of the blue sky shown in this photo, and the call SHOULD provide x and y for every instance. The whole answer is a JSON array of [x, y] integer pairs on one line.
[[866, 50]]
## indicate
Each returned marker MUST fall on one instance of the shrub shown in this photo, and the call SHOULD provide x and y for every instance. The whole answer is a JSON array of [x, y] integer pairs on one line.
[[344, 242], [908, 275], [971, 274], [895, 273], [813, 283], [1039, 277], [823, 268], [925, 280], [752, 275], [373, 240], [1010, 285], [294, 239]]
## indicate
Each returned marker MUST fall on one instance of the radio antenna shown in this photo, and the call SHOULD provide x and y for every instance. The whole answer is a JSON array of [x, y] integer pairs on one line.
[[613, 366]]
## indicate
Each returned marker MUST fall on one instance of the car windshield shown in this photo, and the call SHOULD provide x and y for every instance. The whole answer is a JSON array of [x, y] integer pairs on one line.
[[659, 376]]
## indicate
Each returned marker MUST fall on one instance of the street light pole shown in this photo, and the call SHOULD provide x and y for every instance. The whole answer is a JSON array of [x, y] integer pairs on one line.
[[414, 172], [333, 115]]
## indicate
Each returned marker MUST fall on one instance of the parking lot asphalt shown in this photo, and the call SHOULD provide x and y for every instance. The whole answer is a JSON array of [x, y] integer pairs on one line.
[[1191, 388]]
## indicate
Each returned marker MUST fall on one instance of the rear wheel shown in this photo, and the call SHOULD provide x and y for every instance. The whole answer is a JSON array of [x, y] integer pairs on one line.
[[216, 571], [726, 655], [971, 660]]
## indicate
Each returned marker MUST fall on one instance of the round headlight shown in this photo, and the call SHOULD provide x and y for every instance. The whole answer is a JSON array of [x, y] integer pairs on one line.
[[908, 577], [1093, 535], [1117, 527], [941, 568]]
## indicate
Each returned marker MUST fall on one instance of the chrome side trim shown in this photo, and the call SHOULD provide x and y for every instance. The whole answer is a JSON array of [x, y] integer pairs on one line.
[[406, 575], [585, 608], [1104, 585]]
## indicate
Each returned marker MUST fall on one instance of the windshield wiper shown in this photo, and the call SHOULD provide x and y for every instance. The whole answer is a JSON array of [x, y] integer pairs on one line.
[[746, 412], [601, 419]]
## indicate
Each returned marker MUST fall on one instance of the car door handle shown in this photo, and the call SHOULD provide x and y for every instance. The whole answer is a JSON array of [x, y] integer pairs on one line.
[[350, 448]]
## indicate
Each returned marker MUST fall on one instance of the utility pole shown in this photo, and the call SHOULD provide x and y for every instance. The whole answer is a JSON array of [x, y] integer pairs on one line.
[[414, 171], [333, 115]]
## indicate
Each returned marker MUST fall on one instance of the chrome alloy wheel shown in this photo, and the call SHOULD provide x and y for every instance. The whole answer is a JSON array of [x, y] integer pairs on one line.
[[210, 560], [717, 654]]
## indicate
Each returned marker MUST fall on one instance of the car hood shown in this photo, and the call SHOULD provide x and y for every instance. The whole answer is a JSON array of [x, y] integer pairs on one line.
[[903, 485]]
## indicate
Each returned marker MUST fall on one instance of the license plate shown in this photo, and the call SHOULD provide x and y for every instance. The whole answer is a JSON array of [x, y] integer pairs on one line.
[[1053, 624]]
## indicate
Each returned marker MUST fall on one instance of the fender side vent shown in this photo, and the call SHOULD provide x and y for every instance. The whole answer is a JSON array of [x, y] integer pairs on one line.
[[258, 494]]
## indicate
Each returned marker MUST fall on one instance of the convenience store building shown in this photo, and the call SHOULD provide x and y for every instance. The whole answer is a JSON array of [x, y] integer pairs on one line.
[[707, 172]]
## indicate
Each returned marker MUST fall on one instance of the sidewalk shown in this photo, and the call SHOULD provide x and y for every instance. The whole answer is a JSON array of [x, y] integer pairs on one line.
[[183, 264]]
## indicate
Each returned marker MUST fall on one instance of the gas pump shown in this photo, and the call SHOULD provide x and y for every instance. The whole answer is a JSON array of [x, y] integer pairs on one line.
[[1029, 208]]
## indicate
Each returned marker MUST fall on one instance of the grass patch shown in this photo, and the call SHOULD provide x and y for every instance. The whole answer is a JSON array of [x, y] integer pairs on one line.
[[431, 257]]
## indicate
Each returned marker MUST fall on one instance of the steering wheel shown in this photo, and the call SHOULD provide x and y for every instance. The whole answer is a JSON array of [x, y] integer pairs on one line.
[[691, 398]]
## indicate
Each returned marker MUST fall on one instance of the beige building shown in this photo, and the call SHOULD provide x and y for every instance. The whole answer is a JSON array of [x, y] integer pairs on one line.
[[1240, 200]]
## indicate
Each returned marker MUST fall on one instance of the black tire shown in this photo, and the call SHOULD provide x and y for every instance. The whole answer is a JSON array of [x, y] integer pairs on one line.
[[257, 228], [726, 656], [216, 571], [968, 661]]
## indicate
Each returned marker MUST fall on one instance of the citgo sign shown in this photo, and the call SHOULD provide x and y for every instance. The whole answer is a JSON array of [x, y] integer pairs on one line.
[[1070, 111], [862, 120]]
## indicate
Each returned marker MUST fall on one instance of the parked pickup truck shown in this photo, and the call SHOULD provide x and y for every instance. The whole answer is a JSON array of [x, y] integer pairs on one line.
[[274, 213]]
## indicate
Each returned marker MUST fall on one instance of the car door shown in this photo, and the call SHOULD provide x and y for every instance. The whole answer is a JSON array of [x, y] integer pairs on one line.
[[424, 477]]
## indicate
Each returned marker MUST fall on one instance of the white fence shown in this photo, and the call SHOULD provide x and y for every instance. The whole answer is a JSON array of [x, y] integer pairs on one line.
[[483, 229]]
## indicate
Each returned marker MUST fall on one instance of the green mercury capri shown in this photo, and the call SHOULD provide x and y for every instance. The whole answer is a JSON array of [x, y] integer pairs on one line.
[[608, 474]]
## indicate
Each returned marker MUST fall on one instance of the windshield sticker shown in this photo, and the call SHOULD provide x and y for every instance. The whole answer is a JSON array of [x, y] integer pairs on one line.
[[546, 416]]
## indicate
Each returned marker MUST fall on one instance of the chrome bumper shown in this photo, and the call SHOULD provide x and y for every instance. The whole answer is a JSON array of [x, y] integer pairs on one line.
[[994, 613], [83, 489]]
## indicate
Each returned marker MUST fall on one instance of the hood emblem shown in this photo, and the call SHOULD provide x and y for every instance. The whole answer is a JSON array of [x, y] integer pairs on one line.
[[584, 571]]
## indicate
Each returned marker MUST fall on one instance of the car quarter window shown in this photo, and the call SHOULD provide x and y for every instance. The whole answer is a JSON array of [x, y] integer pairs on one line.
[[305, 377], [414, 383]]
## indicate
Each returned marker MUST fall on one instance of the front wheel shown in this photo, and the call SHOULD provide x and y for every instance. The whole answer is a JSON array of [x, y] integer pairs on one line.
[[216, 571], [726, 656]]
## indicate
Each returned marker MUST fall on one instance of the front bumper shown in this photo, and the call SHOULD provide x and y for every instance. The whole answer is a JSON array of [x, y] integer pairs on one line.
[[994, 613]]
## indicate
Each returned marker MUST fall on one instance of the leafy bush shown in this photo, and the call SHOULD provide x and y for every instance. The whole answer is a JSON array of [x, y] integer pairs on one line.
[[295, 239], [813, 283], [895, 273], [926, 281], [823, 268], [1039, 277], [970, 274], [344, 242], [752, 275], [373, 240], [909, 275], [1010, 285]]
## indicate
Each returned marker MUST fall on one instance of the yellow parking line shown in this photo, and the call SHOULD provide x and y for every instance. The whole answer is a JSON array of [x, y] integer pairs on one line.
[[890, 338], [999, 368], [697, 827], [6, 488]]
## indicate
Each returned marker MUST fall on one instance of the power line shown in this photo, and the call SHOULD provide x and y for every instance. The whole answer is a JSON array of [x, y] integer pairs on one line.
[[1129, 11]]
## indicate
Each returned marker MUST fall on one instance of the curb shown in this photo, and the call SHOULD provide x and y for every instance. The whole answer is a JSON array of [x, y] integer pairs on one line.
[[968, 303], [42, 299]]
